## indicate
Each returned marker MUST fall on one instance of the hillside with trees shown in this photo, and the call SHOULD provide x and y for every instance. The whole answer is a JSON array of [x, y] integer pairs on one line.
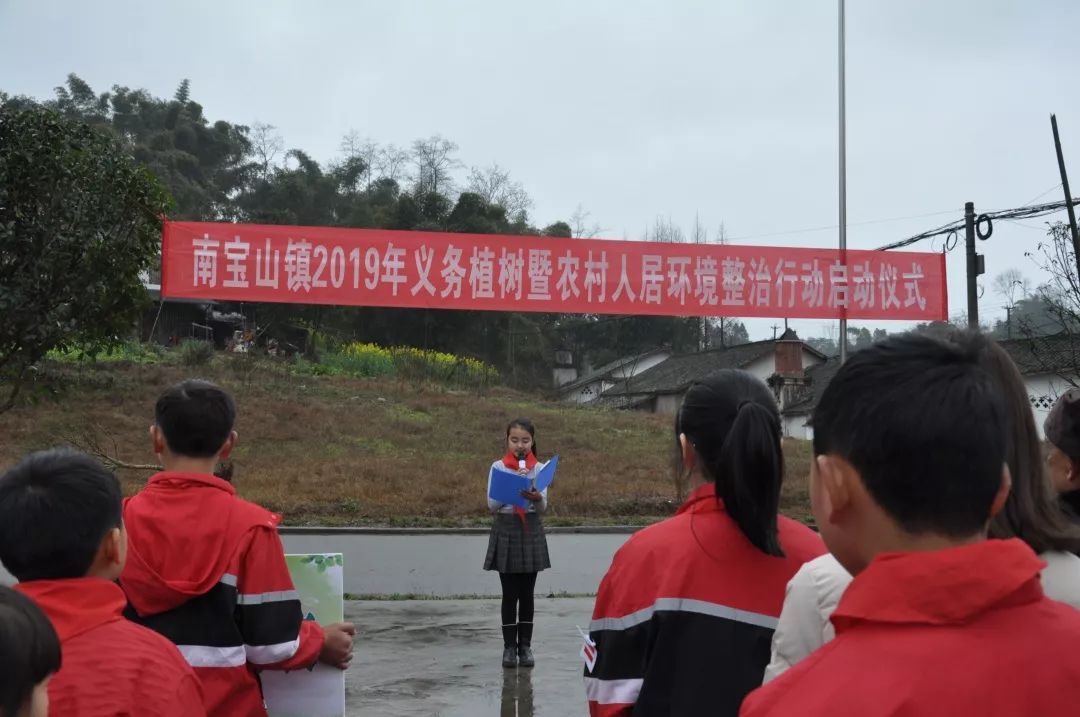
[[219, 170]]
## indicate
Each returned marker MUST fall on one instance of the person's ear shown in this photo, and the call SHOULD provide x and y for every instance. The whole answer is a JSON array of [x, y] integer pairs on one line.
[[1003, 491], [113, 551], [157, 439], [689, 456], [230, 443], [834, 487]]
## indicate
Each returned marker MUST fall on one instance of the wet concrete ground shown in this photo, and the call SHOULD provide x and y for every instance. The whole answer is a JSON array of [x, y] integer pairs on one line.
[[442, 658], [451, 563]]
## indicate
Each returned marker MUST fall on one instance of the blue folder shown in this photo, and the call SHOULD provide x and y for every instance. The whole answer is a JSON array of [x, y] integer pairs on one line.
[[506, 486], [546, 474]]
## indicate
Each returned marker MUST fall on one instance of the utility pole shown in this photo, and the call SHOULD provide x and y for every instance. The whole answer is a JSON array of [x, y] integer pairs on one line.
[[843, 178], [1068, 195], [775, 328], [975, 266]]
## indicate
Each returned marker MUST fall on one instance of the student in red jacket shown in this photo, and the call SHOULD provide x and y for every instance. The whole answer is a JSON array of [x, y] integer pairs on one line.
[[29, 656], [61, 536], [207, 570], [909, 467], [685, 615]]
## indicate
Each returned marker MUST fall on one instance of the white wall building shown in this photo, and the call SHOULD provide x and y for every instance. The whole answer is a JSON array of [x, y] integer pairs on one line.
[[1048, 365], [780, 362], [589, 387]]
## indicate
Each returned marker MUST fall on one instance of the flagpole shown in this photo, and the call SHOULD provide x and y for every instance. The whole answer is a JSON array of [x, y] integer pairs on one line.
[[843, 178]]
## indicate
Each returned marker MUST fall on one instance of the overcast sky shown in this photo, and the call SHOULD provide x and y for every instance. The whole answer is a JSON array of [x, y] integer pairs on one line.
[[723, 109]]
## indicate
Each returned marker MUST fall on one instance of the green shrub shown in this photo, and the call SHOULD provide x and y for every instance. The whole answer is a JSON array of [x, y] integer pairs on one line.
[[196, 353], [128, 351]]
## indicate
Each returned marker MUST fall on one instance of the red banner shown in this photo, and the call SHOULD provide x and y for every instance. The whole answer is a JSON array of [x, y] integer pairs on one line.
[[376, 267]]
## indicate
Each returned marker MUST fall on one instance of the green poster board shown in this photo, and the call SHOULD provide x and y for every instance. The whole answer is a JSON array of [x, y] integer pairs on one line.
[[320, 692]]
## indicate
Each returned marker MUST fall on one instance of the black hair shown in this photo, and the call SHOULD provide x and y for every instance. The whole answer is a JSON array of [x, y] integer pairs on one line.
[[1031, 512], [55, 508], [731, 420], [526, 425], [196, 418], [224, 470], [29, 650], [924, 424]]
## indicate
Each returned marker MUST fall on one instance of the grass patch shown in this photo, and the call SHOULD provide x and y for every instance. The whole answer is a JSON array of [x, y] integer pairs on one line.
[[339, 450]]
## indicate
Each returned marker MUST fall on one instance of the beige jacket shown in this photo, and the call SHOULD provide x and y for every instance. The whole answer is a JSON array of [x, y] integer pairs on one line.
[[814, 592]]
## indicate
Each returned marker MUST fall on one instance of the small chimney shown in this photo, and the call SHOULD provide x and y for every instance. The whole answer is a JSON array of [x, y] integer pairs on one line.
[[788, 355], [563, 371]]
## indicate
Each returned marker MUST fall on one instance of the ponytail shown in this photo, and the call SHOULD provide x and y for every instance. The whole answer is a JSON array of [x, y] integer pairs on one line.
[[748, 470], [732, 421]]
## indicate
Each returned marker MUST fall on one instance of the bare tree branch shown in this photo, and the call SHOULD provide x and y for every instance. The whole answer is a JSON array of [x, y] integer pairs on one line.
[[1056, 354], [266, 145], [390, 163], [495, 186], [1011, 285], [434, 161], [580, 227], [699, 235], [367, 149], [88, 442], [665, 231]]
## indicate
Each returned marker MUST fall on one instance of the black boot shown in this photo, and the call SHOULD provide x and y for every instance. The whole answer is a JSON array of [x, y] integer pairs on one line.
[[524, 649], [510, 636]]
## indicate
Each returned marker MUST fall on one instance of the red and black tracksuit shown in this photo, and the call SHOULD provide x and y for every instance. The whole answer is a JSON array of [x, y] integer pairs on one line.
[[685, 615], [207, 570]]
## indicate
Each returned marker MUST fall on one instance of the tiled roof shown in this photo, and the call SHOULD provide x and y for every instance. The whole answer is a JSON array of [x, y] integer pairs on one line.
[[677, 373], [1057, 354], [817, 378], [606, 370]]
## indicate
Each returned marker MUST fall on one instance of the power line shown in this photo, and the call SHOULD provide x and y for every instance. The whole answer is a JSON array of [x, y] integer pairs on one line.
[[1027, 212], [1032, 227], [823, 228], [1051, 189]]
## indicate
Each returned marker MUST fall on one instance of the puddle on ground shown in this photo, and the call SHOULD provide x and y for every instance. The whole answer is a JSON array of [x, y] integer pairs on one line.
[[442, 658]]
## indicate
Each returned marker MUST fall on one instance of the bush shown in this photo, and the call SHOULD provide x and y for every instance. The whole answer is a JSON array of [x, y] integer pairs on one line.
[[128, 351], [304, 367], [196, 353], [410, 364], [419, 365], [365, 360]]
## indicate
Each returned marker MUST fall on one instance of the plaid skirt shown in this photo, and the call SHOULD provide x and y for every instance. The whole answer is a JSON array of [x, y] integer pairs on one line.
[[512, 549]]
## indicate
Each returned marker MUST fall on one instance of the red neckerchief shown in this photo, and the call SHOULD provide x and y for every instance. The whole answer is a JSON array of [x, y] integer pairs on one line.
[[510, 460]]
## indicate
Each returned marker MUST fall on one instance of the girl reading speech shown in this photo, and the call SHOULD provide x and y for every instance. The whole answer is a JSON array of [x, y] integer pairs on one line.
[[517, 548]]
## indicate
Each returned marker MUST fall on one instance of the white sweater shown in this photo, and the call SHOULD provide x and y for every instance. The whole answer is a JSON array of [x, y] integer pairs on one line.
[[496, 507], [814, 592]]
